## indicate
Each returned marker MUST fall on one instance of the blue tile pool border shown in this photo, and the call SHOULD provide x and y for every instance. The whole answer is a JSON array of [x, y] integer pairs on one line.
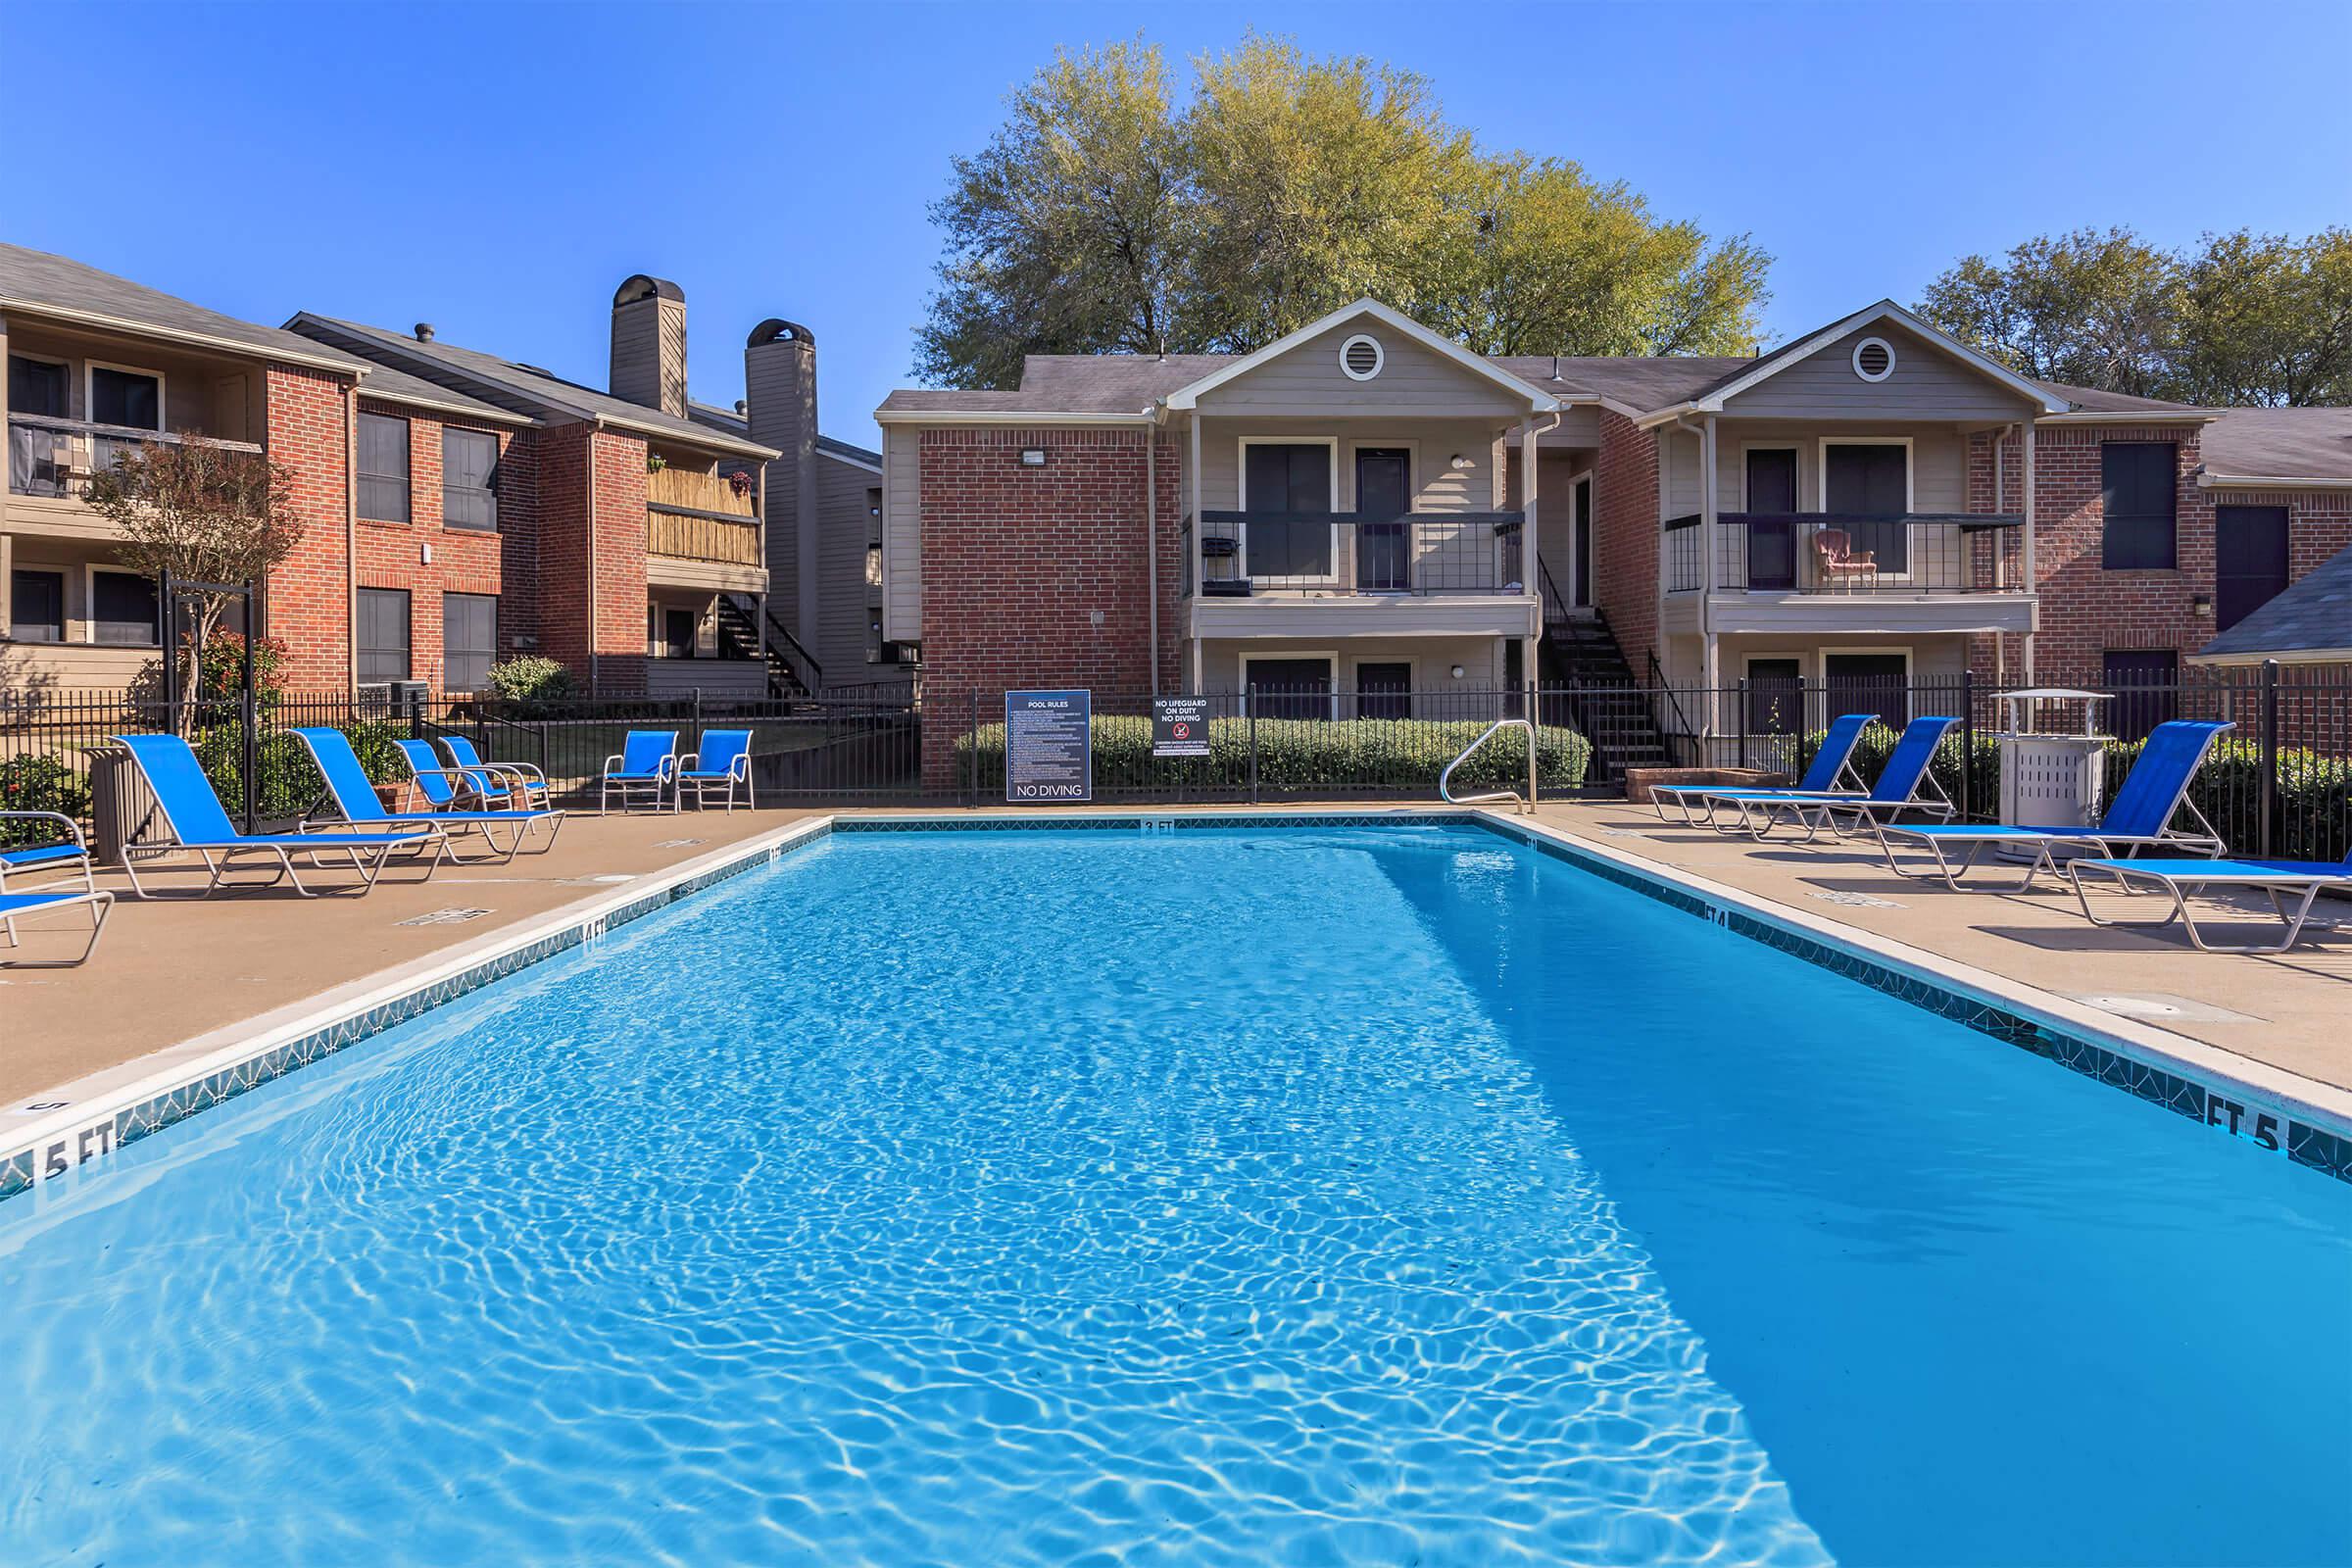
[[2247, 1114]]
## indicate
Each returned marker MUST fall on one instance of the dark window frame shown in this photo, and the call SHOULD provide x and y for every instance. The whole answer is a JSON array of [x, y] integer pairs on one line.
[[2129, 519], [92, 370], [57, 373], [375, 483], [466, 497], [377, 673], [475, 673], [152, 623], [15, 602]]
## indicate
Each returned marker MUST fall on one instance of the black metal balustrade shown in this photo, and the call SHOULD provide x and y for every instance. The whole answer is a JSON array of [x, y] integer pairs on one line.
[[1837, 553], [58, 457], [1243, 554]]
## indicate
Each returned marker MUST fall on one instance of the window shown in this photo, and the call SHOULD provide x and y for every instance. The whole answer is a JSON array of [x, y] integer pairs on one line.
[[36, 386], [1869, 683], [1871, 480], [1290, 688], [132, 398], [383, 469], [1384, 691], [2146, 683], [468, 641], [36, 602], [468, 479], [1774, 697], [2251, 561], [123, 609], [2137, 489], [1284, 481], [383, 635]]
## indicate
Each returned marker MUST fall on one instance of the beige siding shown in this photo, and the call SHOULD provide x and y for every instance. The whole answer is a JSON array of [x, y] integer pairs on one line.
[[902, 534], [1939, 462], [845, 602], [1432, 661], [1413, 379], [1677, 471], [1439, 486], [1927, 384]]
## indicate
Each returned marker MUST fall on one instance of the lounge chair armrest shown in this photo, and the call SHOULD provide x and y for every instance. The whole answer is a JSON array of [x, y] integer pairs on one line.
[[72, 827], [612, 761], [689, 761]]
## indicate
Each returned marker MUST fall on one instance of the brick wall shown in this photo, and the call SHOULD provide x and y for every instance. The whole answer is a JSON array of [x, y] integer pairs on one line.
[[572, 460], [2086, 608], [1016, 560], [1625, 536], [307, 602], [465, 561]]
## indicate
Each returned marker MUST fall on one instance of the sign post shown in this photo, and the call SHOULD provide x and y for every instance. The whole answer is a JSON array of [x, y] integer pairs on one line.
[[1179, 726], [1048, 747]]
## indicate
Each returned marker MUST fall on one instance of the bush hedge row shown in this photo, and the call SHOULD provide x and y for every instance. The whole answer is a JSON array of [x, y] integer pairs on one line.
[[1304, 754]]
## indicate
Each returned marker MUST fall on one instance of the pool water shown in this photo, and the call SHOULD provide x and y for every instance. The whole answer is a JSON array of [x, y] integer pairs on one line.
[[1351, 1196]]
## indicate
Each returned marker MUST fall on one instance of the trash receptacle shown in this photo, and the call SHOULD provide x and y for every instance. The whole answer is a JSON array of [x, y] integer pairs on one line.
[[2052, 777], [121, 803]]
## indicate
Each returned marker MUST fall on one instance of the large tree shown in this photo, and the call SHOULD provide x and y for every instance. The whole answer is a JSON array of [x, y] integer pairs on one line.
[[1100, 218], [2239, 319]]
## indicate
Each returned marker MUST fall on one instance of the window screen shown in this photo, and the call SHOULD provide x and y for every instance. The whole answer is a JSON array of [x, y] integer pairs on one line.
[[36, 606], [127, 397], [383, 467], [383, 634], [36, 386], [468, 640], [123, 609], [468, 479], [2137, 492]]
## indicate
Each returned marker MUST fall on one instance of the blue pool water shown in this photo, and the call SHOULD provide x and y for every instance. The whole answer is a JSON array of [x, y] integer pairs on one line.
[[1292, 1196]]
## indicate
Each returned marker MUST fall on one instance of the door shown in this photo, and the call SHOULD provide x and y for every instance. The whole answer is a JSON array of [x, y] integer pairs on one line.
[[1867, 683], [1772, 541], [1384, 691], [2249, 561], [1773, 699], [1870, 481], [1580, 520], [1290, 688], [1283, 483], [1384, 488], [677, 633], [2146, 684]]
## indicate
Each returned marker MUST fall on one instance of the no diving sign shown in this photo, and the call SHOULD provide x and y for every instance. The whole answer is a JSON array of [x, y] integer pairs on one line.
[[1049, 752], [1179, 726]]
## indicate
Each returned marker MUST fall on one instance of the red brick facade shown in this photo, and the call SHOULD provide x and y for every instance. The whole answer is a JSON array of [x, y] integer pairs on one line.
[[1625, 535], [464, 561], [1018, 561], [308, 600], [585, 474], [2087, 609]]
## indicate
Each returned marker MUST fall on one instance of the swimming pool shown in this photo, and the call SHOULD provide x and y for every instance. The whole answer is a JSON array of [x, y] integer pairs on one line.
[[1255, 1194]]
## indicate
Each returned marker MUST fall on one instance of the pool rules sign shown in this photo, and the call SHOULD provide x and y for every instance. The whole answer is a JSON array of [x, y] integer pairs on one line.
[[1048, 753]]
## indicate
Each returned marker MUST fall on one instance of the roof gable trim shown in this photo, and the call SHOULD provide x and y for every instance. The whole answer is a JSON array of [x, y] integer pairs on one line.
[[1774, 363], [1186, 397]]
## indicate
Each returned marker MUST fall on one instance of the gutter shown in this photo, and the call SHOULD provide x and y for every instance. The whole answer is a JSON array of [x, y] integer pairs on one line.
[[2255, 481], [2134, 417], [347, 366], [991, 417]]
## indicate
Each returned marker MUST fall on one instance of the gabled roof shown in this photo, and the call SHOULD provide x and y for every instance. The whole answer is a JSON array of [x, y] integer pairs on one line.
[[1436, 343], [59, 289], [1711, 398], [848, 452], [2310, 624], [383, 384], [523, 388], [1641, 383], [2279, 448]]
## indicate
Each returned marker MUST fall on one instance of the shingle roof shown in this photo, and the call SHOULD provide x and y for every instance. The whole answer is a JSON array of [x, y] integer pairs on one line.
[[1639, 381], [2090, 400], [524, 388], [388, 385], [35, 281], [2312, 616], [845, 449], [2280, 444]]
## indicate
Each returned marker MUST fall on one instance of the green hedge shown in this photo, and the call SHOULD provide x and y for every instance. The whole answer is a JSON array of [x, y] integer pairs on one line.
[[1308, 754], [40, 784], [291, 784]]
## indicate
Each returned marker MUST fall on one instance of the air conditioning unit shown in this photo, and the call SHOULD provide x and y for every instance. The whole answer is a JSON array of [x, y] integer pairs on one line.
[[372, 698]]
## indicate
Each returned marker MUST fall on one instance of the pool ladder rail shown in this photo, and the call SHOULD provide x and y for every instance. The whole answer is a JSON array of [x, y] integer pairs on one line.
[[1525, 803]]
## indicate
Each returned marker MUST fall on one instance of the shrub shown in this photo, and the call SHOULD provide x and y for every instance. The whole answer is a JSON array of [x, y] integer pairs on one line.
[[529, 678], [40, 784], [220, 672], [1402, 754]]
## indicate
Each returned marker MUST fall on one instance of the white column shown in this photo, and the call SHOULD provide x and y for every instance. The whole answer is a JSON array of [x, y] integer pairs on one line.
[[1707, 512], [1530, 549], [1192, 480], [6, 611], [2026, 485]]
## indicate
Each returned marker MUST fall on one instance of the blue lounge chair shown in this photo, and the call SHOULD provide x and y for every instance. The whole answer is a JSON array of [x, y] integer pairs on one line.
[[447, 793], [191, 812], [644, 766], [67, 855], [520, 784], [1904, 785], [721, 764], [2277, 880], [1832, 773], [2139, 817], [11, 905], [356, 804]]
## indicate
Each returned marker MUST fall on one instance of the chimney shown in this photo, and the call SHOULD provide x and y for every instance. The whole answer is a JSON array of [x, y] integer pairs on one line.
[[649, 344], [779, 381]]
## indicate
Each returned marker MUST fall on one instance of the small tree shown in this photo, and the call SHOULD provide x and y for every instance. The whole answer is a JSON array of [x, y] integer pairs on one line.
[[199, 513]]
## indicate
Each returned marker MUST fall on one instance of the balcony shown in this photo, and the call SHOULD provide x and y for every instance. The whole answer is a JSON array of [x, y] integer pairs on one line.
[[706, 494], [698, 533], [1457, 573], [56, 459], [1917, 571]]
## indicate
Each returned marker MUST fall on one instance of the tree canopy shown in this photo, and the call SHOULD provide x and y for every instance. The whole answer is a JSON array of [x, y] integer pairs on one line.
[[1101, 218], [2240, 319]]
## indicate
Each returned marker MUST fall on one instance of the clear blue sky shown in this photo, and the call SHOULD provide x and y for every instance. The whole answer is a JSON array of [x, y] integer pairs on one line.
[[498, 170]]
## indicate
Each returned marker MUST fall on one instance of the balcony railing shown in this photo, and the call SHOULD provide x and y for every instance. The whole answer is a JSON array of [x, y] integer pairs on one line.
[[697, 536], [52, 457], [685, 490], [1345, 554], [1835, 553]]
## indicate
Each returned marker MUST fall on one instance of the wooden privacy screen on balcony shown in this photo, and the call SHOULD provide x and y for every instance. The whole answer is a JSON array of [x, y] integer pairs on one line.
[[695, 491], [697, 538]]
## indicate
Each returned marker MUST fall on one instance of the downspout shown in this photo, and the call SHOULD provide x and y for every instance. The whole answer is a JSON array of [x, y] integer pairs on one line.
[[1706, 559], [351, 539], [1152, 533], [1531, 550], [588, 485]]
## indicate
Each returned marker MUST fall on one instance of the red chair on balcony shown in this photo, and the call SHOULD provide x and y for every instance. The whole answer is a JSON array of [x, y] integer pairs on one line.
[[1837, 560]]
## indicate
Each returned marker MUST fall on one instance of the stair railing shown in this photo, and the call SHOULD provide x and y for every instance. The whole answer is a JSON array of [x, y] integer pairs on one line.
[[1527, 805], [1657, 681]]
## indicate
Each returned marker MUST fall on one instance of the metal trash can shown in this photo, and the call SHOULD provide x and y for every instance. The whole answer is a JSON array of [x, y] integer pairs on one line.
[[2052, 777], [121, 805]]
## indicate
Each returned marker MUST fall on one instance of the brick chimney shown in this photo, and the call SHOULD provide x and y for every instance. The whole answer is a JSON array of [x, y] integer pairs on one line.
[[779, 381], [649, 344]]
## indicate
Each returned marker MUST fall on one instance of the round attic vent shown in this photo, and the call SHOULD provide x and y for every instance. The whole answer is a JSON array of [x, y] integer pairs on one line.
[[1361, 356], [1874, 359]]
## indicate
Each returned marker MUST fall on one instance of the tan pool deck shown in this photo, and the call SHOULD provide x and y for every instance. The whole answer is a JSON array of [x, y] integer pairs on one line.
[[169, 972]]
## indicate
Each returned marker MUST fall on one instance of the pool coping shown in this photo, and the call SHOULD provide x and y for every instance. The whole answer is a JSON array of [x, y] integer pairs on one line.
[[2266, 1107]]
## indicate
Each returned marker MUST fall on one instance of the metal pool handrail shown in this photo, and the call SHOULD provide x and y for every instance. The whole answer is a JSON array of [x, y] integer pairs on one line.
[[1527, 805]]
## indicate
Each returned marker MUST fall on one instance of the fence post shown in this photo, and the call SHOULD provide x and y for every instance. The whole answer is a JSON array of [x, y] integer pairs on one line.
[[1251, 699], [1741, 699], [971, 754], [2270, 756], [698, 719], [1968, 742], [251, 718]]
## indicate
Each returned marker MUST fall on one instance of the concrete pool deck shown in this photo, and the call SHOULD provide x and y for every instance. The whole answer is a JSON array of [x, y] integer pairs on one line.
[[170, 972]]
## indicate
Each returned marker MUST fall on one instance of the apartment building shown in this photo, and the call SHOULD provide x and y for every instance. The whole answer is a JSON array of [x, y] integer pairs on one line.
[[1351, 509]]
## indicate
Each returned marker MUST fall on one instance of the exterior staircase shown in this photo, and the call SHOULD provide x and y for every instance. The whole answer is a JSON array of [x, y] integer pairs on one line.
[[1585, 673], [739, 638]]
